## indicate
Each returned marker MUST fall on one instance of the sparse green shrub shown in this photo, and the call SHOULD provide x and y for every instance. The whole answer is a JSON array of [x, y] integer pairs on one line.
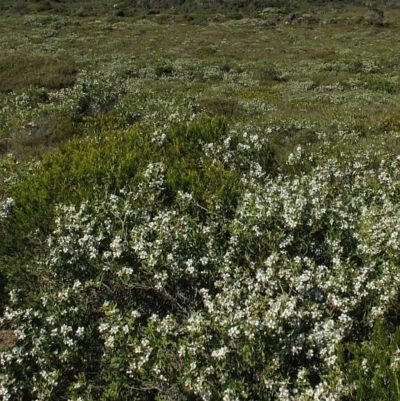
[[96, 93], [353, 65], [375, 16], [382, 84], [390, 123], [269, 74]]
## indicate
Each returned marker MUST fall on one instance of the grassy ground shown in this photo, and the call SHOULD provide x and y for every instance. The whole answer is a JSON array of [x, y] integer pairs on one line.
[[294, 78], [325, 68]]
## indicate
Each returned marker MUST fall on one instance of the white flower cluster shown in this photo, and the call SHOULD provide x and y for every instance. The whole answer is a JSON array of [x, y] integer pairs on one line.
[[6, 206], [186, 298]]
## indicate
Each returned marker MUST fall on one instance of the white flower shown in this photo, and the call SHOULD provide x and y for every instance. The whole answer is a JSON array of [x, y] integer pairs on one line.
[[80, 332], [219, 353]]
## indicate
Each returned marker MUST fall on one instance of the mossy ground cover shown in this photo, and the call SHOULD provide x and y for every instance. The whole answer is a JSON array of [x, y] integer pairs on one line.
[[219, 186]]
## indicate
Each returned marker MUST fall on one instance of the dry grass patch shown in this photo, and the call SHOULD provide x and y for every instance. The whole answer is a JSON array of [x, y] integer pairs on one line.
[[20, 69], [322, 54], [7, 339], [225, 107]]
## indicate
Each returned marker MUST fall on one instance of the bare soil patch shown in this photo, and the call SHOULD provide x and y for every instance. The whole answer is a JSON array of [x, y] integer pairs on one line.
[[7, 339]]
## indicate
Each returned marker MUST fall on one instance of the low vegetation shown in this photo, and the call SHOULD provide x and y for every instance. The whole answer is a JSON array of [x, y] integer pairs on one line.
[[21, 69], [199, 202]]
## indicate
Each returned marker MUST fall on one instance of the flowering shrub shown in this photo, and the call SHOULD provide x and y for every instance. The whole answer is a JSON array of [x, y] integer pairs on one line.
[[239, 283], [161, 254]]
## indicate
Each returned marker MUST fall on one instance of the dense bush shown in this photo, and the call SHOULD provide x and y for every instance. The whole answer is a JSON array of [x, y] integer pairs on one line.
[[87, 168], [199, 271]]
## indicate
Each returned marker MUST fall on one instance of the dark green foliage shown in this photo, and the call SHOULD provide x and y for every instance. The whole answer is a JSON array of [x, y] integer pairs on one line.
[[164, 70], [268, 74], [373, 366]]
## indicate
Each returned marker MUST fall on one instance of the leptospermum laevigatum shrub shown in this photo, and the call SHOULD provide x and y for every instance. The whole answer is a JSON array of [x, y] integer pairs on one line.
[[145, 296]]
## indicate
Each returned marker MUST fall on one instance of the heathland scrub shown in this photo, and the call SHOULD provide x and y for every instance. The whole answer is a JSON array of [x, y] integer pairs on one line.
[[199, 206]]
